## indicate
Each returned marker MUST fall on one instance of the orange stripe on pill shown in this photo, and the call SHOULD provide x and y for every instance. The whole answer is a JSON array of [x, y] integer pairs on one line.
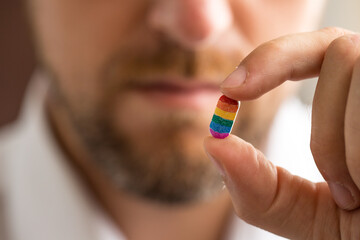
[[227, 107]]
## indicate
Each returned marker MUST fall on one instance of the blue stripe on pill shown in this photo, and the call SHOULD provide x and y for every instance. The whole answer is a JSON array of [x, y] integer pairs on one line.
[[219, 128]]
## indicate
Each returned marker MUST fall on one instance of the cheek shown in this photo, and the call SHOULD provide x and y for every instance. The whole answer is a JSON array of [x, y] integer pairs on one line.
[[263, 20], [76, 38]]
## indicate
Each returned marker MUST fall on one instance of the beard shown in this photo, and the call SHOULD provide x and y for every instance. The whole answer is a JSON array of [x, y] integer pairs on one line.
[[148, 152], [158, 168]]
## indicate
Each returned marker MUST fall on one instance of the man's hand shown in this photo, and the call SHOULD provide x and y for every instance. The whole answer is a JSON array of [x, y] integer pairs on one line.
[[270, 197]]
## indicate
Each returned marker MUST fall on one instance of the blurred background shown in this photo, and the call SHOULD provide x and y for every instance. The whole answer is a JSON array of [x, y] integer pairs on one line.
[[17, 59]]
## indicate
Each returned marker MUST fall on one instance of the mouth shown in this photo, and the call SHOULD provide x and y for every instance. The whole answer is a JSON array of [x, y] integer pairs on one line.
[[178, 94]]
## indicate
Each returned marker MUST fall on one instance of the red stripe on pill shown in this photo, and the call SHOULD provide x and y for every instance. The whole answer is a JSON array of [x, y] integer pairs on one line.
[[227, 100]]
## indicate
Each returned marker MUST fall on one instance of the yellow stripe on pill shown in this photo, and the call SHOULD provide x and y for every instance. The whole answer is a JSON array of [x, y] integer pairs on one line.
[[224, 114]]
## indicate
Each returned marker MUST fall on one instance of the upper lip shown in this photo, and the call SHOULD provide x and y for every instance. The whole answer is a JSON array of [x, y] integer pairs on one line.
[[182, 85]]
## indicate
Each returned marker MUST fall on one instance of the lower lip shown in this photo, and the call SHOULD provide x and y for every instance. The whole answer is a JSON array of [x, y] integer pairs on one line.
[[197, 99]]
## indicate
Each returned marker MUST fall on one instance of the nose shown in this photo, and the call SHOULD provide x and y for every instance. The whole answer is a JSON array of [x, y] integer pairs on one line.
[[191, 22]]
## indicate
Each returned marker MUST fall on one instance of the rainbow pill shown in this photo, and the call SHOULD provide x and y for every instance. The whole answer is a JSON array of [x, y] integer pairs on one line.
[[223, 118]]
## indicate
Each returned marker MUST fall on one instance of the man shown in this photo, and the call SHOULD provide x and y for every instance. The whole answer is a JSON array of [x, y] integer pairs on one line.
[[112, 148]]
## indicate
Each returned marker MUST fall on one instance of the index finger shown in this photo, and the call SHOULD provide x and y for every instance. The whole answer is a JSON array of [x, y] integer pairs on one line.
[[292, 57]]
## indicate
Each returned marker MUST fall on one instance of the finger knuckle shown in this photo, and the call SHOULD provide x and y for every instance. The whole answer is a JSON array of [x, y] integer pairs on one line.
[[334, 31], [357, 63], [342, 47], [247, 216], [352, 126], [277, 45], [316, 148], [320, 149]]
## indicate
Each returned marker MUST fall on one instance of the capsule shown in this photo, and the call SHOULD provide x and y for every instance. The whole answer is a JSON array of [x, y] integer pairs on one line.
[[223, 118]]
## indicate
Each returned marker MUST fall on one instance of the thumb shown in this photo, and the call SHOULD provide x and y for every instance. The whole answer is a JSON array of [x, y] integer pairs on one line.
[[268, 196]]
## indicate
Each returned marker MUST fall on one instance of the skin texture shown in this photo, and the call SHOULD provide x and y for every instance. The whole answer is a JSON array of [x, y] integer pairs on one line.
[[139, 144], [276, 200]]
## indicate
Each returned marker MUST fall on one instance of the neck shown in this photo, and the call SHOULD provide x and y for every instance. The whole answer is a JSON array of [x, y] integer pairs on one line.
[[136, 217]]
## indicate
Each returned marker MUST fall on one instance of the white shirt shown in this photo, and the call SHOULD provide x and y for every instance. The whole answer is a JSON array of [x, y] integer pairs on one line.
[[46, 200]]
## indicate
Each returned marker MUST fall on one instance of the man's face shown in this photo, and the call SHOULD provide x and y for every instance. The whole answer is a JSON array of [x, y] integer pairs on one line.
[[139, 79]]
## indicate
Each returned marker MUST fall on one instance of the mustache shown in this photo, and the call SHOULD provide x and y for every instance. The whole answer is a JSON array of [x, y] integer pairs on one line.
[[133, 65]]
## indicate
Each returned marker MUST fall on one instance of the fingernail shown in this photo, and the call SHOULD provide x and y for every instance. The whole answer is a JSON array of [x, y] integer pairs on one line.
[[236, 78], [342, 195], [217, 164]]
